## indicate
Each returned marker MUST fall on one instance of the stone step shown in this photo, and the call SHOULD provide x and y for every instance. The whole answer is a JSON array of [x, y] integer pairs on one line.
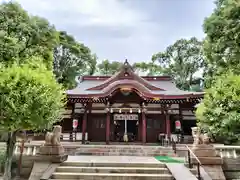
[[139, 170], [111, 164], [124, 150], [112, 176], [123, 154], [123, 147], [127, 149]]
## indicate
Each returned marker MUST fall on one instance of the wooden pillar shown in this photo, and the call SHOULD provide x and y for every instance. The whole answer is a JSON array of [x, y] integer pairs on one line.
[[73, 116], [139, 128], [144, 127], [180, 116], [84, 125], [168, 125], [108, 127]]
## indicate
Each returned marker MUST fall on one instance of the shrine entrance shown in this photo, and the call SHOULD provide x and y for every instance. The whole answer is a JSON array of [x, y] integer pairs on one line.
[[126, 124]]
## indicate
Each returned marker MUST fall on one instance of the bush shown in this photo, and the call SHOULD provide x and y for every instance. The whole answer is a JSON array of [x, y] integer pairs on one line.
[[219, 113]]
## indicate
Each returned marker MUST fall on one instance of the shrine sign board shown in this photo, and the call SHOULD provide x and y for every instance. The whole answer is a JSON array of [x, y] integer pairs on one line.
[[118, 117]]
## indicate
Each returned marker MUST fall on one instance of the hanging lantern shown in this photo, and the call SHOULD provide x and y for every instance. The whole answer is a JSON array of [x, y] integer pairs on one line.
[[120, 110], [139, 110], [111, 110], [178, 124], [130, 110], [75, 123]]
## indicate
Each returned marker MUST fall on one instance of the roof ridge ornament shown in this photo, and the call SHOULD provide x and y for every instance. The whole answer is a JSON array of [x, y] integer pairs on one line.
[[127, 66], [126, 63]]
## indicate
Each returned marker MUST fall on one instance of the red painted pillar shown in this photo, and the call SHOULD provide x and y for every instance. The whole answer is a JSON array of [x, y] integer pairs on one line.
[[168, 126], [144, 127], [108, 128], [84, 126]]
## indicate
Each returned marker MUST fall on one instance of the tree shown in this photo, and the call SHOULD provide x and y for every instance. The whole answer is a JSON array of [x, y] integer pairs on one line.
[[71, 59], [221, 45], [150, 68], [23, 36], [108, 68], [197, 85], [219, 113], [181, 60], [31, 99]]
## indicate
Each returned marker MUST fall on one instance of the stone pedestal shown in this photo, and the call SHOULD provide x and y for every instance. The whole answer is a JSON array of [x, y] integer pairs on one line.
[[206, 154], [45, 165], [210, 161], [51, 150], [47, 160]]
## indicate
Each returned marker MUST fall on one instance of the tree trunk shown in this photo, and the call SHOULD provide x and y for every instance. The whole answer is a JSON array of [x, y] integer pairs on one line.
[[9, 155]]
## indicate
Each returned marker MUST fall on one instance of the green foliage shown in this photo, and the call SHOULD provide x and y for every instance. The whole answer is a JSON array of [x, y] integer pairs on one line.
[[219, 113], [71, 59], [23, 36], [181, 60], [221, 45], [151, 68], [108, 68], [30, 97]]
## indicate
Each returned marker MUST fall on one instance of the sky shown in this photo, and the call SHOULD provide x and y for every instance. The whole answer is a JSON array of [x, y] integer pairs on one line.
[[125, 29]]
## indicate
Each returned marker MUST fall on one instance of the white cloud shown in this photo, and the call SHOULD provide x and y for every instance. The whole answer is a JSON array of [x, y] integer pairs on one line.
[[96, 12], [115, 29]]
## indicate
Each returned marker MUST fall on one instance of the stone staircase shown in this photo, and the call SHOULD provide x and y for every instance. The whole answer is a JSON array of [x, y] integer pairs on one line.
[[124, 150], [111, 171]]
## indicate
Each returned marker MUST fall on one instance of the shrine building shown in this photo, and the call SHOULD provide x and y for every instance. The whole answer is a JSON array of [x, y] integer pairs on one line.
[[105, 108]]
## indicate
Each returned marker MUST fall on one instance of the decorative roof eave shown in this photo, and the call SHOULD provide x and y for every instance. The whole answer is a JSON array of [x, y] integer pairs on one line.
[[144, 95], [131, 84], [152, 101], [136, 87]]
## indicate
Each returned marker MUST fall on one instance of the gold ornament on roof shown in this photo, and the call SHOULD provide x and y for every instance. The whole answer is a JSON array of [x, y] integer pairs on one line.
[[125, 91]]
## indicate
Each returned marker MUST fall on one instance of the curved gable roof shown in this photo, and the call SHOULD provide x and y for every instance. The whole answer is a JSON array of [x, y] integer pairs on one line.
[[126, 73]]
